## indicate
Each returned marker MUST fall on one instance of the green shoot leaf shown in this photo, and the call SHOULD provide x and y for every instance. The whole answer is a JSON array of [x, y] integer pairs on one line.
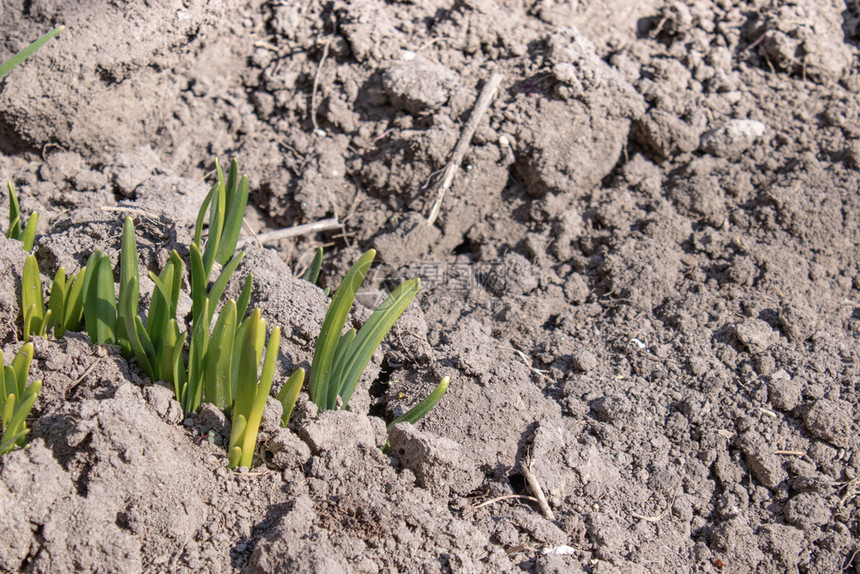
[[244, 297], [193, 395], [32, 301], [418, 412], [100, 302], [216, 223], [16, 427], [289, 393], [217, 387], [312, 273], [143, 352], [14, 231], [221, 283], [15, 60], [28, 236], [251, 397], [321, 368], [129, 290], [73, 307], [198, 282], [21, 367], [56, 304], [236, 202]]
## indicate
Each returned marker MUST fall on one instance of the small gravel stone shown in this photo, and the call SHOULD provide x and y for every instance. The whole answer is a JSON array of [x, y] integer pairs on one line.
[[731, 138]]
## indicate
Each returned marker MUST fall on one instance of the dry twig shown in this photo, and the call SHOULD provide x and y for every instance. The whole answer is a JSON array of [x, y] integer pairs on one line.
[[316, 84], [463, 143], [535, 487], [295, 231], [505, 497]]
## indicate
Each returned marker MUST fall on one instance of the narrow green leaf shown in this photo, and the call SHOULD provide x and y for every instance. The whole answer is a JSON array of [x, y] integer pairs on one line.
[[90, 294], [9, 64], [261, 394], [178, 368], [56, 304], [3, 392], [73, 308], [312, 273], [130, 320], [216, 223], [238, 342], [101, 300], [340, 355], [234, 451], [16, 427], [321, 367], [244, 298], [28, 236], [196, 354], [9, 401], [21, 368], [32, 297], [156, 317], [418, 412], [164, 370], [290, 393], [176, 283], [217, 369], [221, 283], [201, 214], [14, 231], [198, 283], [43, 332], [237, 200], [165, 299], [128, 290], [246, 384], [371, 334], [148, 348]]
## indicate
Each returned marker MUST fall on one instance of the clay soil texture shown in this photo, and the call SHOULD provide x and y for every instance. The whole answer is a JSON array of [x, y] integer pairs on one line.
[[643, 283]]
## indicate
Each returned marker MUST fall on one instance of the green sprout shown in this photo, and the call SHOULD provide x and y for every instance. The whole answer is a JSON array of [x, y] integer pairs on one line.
[[213, 360], [65, 303], [27, 235], [418, 412], [340, 359], [16, 399], [99, 299], [289, 394], [250, 394], [9, 64], [226, 202], [312, 273]]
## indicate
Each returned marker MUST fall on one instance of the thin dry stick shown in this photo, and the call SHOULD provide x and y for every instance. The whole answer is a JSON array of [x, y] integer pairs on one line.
[[251, 231], [660, 516], [316, 83], [463, 143], [83, 376], [295, 231], [505, 497], [791, 452], [534, 485]]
